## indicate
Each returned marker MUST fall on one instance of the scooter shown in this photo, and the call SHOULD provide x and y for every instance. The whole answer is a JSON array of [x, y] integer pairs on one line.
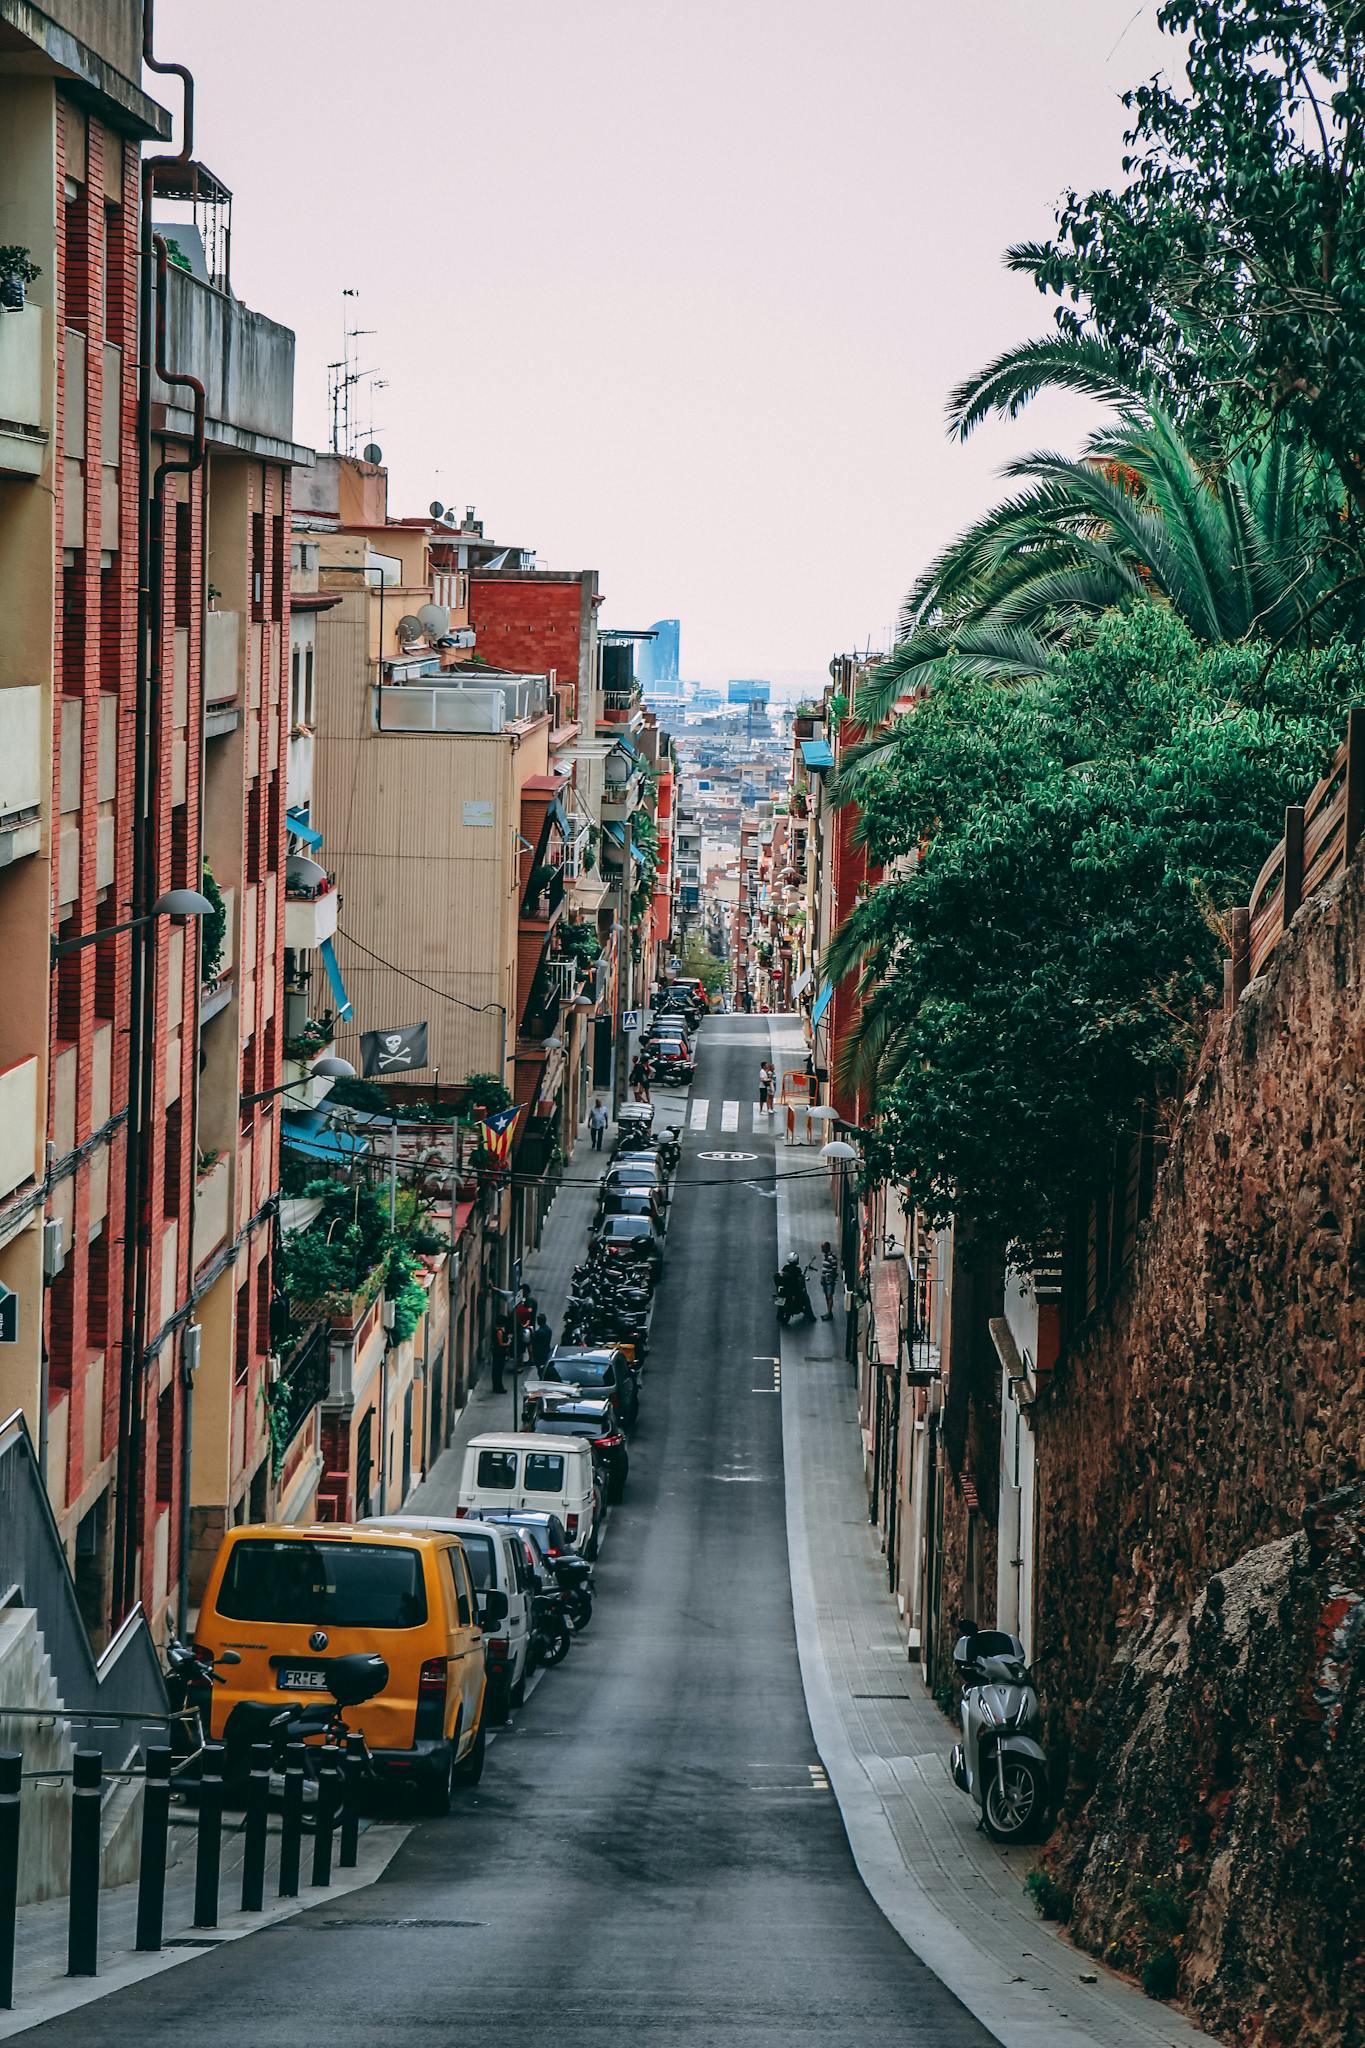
[[791, 1296], [1000, 1761], [550, 1629], [670, 1150]]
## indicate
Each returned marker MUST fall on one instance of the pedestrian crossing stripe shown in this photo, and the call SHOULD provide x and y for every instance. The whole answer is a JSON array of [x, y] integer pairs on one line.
[[701, 1110], [729, 1116]]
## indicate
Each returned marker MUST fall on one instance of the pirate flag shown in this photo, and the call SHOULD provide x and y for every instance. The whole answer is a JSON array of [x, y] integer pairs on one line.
[[386, 1053]]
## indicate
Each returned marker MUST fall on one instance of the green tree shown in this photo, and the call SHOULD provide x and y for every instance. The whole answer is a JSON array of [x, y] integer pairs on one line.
[[1229, 271], [1053, 948]]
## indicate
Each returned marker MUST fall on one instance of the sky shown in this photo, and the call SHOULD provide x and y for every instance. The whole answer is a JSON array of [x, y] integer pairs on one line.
[[673, 289]]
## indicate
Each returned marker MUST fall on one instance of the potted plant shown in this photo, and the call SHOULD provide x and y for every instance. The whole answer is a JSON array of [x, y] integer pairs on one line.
[[17, 272]]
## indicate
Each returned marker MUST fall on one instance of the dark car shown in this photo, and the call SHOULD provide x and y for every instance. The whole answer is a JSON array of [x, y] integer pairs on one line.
[[635, 1170], [671, 1061], [629, 1240], [596, 1420], [628, 1201], [598, 1368]]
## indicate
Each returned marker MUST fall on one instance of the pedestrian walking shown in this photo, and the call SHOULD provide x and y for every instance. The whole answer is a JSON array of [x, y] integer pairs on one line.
[[767, 1085], [639, 1078], [542, 1344], [829, 1278], [502, 1351], [524, 1316], [597, 1123]]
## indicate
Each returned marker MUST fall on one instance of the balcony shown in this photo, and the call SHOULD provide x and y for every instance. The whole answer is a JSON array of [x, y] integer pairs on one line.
[[303, 1382], [21, 773], [18, 1118], [300, 1051], [544, 898], [310, 914], [23, 443], [450, 707], [620, 706], [222, 654], [211, 1190]]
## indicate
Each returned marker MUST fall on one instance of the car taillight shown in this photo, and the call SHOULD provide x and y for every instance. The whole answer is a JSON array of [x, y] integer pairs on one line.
[[496, 1647], [571, 1524], [608, 1443], [431, 1679]]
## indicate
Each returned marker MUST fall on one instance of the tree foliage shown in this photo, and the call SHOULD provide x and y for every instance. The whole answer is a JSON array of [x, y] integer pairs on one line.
[[1047, 941], [1229, 272]]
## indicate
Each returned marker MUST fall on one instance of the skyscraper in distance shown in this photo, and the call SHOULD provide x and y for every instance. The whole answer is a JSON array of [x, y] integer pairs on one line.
[[658, 658]]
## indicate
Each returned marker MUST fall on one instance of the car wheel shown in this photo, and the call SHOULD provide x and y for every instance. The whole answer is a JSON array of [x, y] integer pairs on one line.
[[500, 1701], [440, 1786], [517, 1696], [470, 1768], [617, 1492]]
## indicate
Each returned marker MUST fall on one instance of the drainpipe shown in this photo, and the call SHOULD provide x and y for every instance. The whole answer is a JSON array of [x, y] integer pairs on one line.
[[146, 792]]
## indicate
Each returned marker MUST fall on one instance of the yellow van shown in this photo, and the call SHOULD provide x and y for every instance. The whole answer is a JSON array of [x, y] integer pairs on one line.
[[287, 1599]]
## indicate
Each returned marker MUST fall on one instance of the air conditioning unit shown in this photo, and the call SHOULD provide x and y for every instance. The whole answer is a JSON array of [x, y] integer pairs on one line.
[[54, 1247]]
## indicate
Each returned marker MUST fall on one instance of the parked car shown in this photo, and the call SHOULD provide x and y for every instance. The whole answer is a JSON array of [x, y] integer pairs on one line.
[[496, 1563], [628, 1200], [518, 1471], [634, 1240], [599, 1369], [595, 1419], [635, 1170], [289, 1600], [670, 1061]]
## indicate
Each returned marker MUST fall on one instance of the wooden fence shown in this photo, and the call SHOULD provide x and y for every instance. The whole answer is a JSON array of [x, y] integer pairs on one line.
[[1320, 837]]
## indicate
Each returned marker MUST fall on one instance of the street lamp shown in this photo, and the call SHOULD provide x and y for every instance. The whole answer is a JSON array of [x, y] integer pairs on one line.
[[330, 1067], [179, 904]]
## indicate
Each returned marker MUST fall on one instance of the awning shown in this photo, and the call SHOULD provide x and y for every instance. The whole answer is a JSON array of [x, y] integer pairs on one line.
[[333, 973], [816, 755], [307, 1132], [298, 824], [802, 982], [822, 1002], [617, 836]]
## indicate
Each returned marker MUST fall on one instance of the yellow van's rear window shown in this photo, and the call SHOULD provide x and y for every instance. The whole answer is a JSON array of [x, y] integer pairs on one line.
[[320, 1584]]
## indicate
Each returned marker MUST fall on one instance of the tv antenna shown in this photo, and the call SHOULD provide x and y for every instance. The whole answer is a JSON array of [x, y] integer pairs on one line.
[[342, 380]]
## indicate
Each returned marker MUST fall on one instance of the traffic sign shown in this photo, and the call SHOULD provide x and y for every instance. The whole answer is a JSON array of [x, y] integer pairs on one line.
[[9, 1315], [630, 1020]]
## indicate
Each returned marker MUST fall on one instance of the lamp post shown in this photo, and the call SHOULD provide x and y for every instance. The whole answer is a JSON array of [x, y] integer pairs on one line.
[[330, 1067], [178, 904]]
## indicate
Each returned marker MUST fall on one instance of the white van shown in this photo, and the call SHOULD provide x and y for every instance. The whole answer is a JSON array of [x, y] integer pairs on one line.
[[528, 1471], [497, 1563]]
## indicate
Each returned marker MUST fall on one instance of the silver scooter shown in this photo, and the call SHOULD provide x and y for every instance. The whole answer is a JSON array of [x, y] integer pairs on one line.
[[1000, 1760]]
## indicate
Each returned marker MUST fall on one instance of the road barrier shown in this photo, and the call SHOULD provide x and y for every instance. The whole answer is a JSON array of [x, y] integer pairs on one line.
[[336, 1826]]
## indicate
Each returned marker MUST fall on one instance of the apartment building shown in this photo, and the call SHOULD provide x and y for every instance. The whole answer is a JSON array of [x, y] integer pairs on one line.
[[137, 1169]]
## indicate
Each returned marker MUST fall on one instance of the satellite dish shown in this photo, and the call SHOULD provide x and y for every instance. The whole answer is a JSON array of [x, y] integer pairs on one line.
[[436, 509], [409, 628], [435, 620], [372, 452]]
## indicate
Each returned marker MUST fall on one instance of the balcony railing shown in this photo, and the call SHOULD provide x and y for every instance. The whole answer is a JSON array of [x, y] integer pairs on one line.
[[485, 707], [303, 1382], [310, 914]]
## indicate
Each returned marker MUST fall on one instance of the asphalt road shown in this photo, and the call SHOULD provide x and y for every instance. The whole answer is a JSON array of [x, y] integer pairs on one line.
[[653, 1855]]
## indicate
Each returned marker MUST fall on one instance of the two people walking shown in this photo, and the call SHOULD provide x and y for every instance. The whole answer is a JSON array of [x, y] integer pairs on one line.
[[767, 1086], [521, 1338]]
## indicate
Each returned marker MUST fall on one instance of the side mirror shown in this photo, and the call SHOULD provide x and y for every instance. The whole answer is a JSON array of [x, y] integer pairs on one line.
[[492, 1608], [227, 1657]]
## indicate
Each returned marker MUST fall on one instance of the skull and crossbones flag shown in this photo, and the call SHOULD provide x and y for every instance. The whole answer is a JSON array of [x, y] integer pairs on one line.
[[393, 1052]]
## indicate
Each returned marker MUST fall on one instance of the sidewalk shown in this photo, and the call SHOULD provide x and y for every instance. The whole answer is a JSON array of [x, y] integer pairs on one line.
[[954, 1896], [42, 1989], [549, 1270]]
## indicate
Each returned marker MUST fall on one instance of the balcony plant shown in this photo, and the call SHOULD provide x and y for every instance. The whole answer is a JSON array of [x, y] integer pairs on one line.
[[17, 272], [316, 1035], [484, 1094], [212, 929]]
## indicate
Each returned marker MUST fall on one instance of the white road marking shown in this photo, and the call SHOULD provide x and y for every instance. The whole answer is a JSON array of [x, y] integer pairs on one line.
[[701, 1110], [729, 1116]]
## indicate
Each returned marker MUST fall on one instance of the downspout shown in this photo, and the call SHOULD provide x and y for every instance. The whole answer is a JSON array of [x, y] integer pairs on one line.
[[146, 781]]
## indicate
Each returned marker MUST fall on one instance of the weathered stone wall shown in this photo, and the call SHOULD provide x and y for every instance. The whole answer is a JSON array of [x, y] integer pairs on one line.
[[1218, 1394]]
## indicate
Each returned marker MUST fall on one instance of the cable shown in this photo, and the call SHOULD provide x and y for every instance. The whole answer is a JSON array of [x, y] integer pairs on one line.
[[477, 1009]]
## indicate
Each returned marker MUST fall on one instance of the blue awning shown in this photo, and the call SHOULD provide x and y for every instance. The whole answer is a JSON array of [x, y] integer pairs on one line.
[[821, 1003], [333, 973], [306, 1131], [816, 755], [617, 836], [298, 824]]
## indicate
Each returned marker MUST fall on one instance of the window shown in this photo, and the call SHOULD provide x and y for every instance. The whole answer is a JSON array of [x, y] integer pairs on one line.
[[478, 1555], [308, 705], [544, 1472], [497, 1470], [295, 702], [165, 1447], [322, 1584], [457, 1572]]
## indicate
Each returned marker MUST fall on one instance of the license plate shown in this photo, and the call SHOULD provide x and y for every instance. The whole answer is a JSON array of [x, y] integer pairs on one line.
[[297, 1678]]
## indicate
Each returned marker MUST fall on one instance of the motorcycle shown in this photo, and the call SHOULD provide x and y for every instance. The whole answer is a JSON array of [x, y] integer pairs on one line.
[[791, 1296], [670, 1150], [574, 1575], [1000, 1762], [550, 1628], [191, 1672]]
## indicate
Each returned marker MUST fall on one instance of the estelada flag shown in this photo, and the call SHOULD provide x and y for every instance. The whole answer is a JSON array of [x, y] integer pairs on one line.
[[496, 1131]]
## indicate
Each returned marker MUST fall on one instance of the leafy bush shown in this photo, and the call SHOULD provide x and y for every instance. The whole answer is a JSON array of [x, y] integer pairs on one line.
[[1160, 1973], [1050, 1900], [212, 929]]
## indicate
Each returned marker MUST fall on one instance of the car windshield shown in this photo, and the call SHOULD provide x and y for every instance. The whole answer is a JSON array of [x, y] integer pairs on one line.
[[478, 1552], [570, 1425], [544, 1472], [626, 1226], [588, 1372], [323, 1584]]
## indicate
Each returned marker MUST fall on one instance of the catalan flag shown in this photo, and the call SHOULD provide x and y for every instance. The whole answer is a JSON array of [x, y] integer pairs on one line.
[[496, 1132]]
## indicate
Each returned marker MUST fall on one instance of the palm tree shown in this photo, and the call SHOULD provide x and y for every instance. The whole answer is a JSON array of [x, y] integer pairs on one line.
[[1235, 543]]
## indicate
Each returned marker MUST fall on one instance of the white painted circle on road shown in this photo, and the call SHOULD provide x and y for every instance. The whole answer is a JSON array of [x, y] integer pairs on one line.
[[727, 1155]]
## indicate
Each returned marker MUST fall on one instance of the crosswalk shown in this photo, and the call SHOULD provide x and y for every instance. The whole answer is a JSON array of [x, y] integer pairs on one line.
[[759, 1120]]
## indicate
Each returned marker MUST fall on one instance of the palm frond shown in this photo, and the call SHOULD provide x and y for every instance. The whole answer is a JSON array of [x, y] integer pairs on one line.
[[1055, 362]]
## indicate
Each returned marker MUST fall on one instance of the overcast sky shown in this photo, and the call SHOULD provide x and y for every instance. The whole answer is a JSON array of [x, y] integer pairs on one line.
[[674, 289]]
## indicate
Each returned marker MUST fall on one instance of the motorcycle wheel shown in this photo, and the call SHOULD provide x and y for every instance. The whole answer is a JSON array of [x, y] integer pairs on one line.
[[1016, 1798], [557, 1644], [582, 1612]]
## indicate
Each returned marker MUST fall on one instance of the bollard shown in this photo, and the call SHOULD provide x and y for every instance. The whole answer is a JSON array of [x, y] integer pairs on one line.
[[325, 1813], [210, 1854], [257, 1822], [291, 1827], [151, 1877], [11, 1779], [83, 1927], [352, 1778]]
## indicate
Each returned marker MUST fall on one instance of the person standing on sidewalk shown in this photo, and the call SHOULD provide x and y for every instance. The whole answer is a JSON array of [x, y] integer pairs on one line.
[[829, 1278], [525, 1317], [767, 1085], [542, 1344], [502, 1352], [639, 1078], [597, 1123]]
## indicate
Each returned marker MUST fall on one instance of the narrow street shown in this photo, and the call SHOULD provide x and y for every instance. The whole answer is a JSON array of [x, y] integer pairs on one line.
[[654, 1853]]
